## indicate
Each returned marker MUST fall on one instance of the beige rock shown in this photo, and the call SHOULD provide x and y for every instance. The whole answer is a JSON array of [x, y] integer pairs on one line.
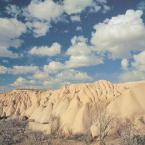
[[74, 105], [45, 128]]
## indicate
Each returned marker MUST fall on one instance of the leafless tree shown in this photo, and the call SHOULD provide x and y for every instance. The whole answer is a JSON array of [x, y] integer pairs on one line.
[[103, 122], [127, 134], [1, 110]]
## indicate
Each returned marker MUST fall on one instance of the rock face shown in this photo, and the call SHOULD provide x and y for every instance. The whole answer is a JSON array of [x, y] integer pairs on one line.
[[73, 108]]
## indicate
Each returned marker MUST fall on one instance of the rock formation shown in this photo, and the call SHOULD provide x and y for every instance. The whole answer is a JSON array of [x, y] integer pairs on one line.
[[72, 109]]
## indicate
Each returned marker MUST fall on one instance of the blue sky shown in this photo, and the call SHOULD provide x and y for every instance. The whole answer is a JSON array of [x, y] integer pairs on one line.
[[46, 43]]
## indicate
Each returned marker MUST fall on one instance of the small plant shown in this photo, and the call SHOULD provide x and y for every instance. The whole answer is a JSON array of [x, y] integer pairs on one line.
[[127, 134], [103, 123]]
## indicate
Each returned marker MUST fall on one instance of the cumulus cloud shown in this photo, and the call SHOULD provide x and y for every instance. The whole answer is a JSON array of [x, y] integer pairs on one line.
[[44, 10], [79, 28], [23, 69], [7, 53], [48, 11], [9, 36], [53, 50], [120, 35], [106, 8], [139, 61], [76, 7], [43, 80], [66, 77], [80, 53], [132, 75], [21, 82], [40, 14], [52, 75], [3, 69], [124, 64], [19, 70], [53, 67], [72, 7], [40, 75], [39, 28], [137, 69], [13, 10], [73, 75], [75, 18], [141, 5]]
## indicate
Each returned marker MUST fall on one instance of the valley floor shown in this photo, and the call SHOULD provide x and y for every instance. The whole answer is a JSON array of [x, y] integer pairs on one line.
[[15, 132]]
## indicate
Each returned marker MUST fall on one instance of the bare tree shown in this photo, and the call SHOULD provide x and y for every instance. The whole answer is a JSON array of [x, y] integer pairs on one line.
[[1, 110], [103, 123], [127, 134]]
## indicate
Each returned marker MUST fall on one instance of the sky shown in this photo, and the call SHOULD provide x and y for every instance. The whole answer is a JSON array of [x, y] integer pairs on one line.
[[49, 43]]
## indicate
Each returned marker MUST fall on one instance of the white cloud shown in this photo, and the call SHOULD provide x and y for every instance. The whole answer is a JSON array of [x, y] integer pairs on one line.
[[3, 69], [7, 53], [49, 10], [24, 83], [79, 46], [39, 28], [73, 75], [141, 6], [120, 35], [13, 10], [106, 8], [83, 61], [43, 80], [52, 83], [73, 7], [19, 81], [137, 69], [40, 75], [139, 61], [8, 27], [53, 75], [46, 10], [53, 67], [23, 69], [75, 18], [79, 28], [9, 36], [40, 14], [53, 50], [19, 69], [95, 8], [5, 61], [80, 53], [30, 83], [76, 7], [124, 64], [66, 77], [132, 75]]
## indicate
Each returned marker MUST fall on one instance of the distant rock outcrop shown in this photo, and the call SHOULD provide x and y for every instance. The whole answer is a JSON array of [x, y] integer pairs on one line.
[[72, 109]]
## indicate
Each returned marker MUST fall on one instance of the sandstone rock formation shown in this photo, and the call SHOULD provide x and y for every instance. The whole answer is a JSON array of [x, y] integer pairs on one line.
[[72, 109]]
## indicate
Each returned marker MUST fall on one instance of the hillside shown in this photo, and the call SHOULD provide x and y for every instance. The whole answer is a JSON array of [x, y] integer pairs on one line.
[[73, 108]]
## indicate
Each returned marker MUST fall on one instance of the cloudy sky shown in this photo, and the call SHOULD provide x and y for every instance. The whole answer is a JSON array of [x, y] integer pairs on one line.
[[49, 43]]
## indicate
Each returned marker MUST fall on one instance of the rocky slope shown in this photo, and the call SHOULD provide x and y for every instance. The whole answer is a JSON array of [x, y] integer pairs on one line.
[[73, 108]]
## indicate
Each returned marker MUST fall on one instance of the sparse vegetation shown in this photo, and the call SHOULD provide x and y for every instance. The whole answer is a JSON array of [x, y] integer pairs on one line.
[[11, 131], [103, 122], [84, 138], [129, 136], [15, 132]]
